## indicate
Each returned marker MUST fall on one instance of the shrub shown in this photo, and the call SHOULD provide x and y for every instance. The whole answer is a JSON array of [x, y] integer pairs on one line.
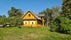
[[61, 24]]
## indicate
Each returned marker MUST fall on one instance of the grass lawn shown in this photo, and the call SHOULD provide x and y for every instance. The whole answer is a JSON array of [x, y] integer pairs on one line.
[[15, 33]]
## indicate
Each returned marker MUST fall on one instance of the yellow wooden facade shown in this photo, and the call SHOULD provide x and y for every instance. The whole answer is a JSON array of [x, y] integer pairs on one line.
[[32, 20]]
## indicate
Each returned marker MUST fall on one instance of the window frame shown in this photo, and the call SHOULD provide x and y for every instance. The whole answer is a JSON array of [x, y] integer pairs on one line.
[[25, 22], [32, 22]]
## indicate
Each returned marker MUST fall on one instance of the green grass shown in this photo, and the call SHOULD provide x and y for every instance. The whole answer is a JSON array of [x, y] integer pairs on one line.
[[28, 33]]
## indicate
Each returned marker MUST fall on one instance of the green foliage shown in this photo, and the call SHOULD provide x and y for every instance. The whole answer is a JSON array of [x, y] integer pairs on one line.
[[15, 12], [66, 8], [14, 21], [66, 24], [14, 18], [55, 25], [61, 24], [2, 19]]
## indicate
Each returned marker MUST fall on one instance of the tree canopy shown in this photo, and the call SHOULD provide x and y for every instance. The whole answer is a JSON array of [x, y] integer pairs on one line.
[[15, 12]]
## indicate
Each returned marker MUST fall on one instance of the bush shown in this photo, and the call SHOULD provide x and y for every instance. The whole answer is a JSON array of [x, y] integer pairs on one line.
[[61, 24], [55, 25], [65, 24]]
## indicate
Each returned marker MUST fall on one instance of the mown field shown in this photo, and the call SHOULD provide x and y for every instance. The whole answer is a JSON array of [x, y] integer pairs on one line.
[[15, 33]]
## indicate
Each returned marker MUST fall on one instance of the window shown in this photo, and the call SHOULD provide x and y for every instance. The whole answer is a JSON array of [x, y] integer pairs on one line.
[[25, 22], [41, 17], [29, 15], [32, 22]]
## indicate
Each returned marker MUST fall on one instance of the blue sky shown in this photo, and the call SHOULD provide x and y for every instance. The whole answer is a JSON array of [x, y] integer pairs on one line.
[[33, 5]]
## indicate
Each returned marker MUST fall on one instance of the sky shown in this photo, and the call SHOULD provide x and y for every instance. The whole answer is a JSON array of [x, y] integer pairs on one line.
[[25, 5]]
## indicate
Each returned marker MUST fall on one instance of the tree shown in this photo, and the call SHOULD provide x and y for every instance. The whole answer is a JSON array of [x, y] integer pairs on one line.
[[56, 11], [66, 17], [51, 14], [15, 12], [63, 22], [15, 16], [66, 8], [12, 12], [48, 16], [2, 21]]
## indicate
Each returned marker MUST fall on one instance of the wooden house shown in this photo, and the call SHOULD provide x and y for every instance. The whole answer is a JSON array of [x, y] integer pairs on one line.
[[30, 19]]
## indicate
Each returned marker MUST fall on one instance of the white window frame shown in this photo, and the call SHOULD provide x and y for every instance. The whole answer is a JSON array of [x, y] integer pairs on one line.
[[32, 21], [25, 22]]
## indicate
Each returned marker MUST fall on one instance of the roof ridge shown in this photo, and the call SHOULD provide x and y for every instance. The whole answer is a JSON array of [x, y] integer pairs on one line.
[[33, 14]]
